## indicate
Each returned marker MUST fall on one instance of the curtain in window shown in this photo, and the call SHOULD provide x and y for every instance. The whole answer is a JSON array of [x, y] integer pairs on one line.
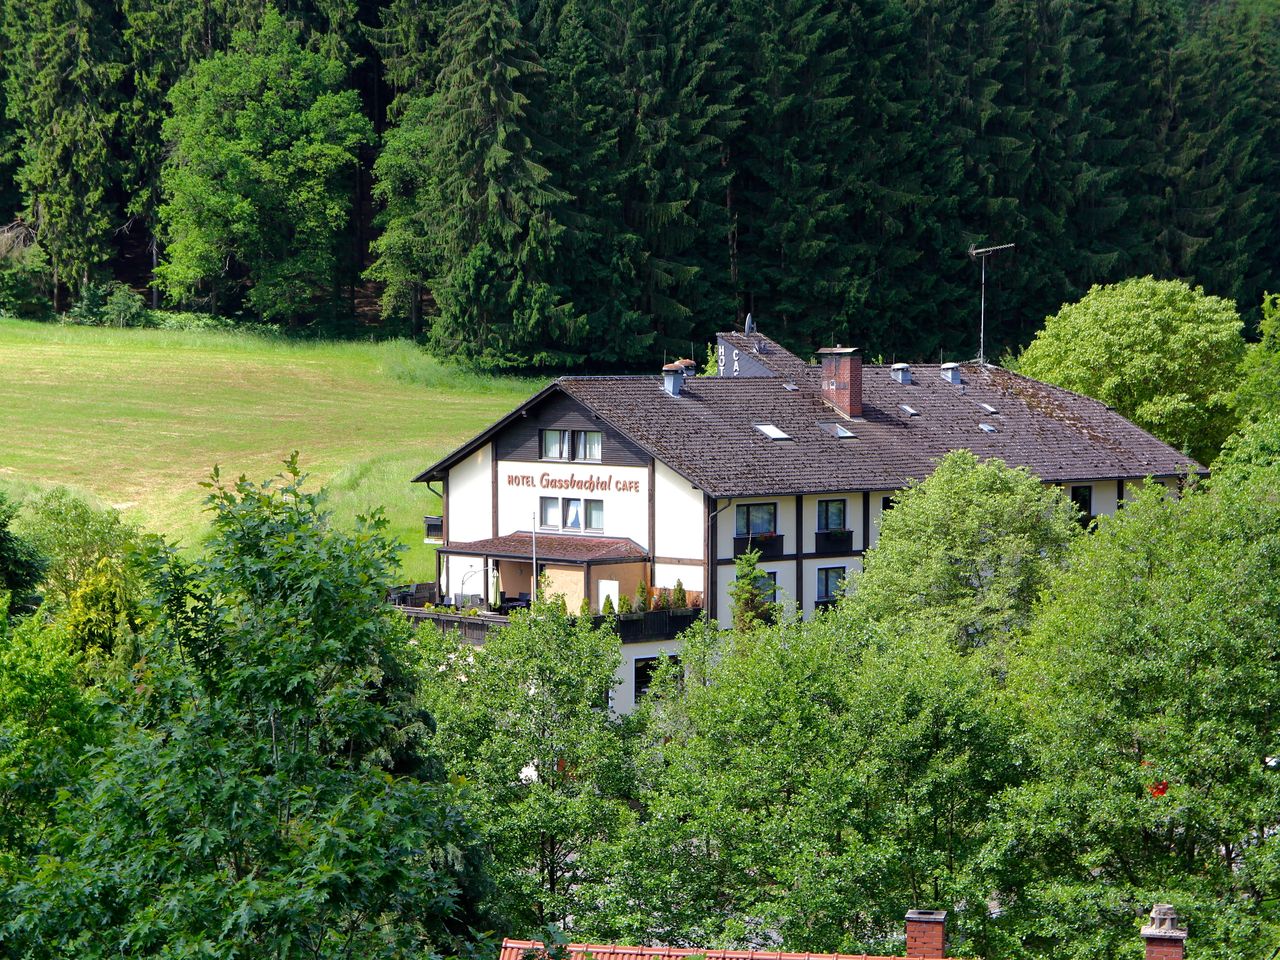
[[573, 514], [550, 512], [591, 445]]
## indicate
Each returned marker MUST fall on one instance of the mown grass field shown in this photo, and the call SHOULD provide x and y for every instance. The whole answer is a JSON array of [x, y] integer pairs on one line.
[[137, 418]]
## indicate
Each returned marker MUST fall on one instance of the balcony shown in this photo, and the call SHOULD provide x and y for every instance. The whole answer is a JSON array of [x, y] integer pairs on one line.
[[833, 541], [770, 545]]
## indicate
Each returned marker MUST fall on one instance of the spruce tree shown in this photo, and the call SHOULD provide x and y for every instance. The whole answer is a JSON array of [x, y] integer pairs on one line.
[[796, 163], [498, 210], [586, 116], [683, 101], [63, 69]]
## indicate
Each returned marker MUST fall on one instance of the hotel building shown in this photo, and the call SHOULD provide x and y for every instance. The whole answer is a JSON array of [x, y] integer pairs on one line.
[[609, 482]]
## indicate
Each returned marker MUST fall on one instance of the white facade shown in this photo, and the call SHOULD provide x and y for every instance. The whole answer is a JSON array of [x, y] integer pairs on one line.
[[813, 544]]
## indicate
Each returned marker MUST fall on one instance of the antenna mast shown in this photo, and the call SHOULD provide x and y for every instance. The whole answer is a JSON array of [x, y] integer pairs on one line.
[[976, 254]]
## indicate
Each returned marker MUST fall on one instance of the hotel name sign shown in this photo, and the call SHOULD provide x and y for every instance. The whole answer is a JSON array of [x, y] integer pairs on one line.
[[575, 482]]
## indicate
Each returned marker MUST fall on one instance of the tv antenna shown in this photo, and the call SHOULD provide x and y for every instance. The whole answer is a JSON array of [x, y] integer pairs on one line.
[[982, 254]]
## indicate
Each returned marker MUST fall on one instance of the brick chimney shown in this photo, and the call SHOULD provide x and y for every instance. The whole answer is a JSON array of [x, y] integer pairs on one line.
[[927, 934], [842, 379], [1165, 939]]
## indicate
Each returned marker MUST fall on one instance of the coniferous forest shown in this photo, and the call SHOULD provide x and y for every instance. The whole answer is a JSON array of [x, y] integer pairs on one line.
[[526, 184]]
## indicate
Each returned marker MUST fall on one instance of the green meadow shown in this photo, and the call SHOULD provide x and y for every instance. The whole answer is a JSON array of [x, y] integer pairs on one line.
[[137, 418]]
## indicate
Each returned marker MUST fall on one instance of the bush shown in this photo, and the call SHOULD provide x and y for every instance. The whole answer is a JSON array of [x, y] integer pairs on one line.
[[679, 599], [642, 597], [624, 604], [24, 274], [584, 609], [111, 304], [183, 320], [606, 608]]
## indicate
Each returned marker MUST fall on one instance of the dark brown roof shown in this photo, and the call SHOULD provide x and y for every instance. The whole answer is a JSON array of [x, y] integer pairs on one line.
[[768, 353], [520, 949], [552, 547], [708, 433]]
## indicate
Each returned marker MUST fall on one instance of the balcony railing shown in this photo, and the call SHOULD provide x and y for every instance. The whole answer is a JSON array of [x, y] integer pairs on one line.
[[833, 541], [769, 544]]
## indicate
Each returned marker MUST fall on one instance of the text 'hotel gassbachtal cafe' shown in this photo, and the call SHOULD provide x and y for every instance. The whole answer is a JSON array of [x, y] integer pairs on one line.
[[628, 479]]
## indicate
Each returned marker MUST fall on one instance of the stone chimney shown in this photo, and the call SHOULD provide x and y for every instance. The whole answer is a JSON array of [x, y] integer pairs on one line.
[[842, 379], [927, 934], [1165, 939]]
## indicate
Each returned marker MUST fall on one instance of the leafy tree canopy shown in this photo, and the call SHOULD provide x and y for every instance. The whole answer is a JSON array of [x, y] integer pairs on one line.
[[266, 789], [264, 141], [1165, 355], [526, 720], [966, 552], [75, 537], [1148, 682], [22, 563]]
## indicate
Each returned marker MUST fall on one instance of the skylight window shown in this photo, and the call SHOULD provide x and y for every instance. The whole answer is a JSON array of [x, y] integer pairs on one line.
[[789, 386], [988, 407], [986, 428], [838, 430], [772, 432], [909, 410]]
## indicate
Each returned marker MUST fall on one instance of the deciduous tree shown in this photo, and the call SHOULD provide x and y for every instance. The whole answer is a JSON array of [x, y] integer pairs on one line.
[[1164, 354]]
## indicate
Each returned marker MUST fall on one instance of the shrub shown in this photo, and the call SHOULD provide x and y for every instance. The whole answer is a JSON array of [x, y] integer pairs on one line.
[[125, 308], [606, 608], [624, 604], [642, 597], [584, 609], [24, 273], [679, 599], [90, 309]]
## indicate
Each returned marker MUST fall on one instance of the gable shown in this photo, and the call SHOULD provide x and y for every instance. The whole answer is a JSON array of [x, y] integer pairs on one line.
[[520, 438]]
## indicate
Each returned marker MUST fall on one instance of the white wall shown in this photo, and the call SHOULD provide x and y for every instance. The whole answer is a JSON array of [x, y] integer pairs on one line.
[[877, 498], [666, 575], [624, 490], [624, 694], [726, 522], [785, 575], [852, 516], [471, 497], [679, 515], [463, 575], [852, 565]]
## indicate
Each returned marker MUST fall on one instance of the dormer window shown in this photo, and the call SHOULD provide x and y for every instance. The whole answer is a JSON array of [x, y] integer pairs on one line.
[[582, 445]]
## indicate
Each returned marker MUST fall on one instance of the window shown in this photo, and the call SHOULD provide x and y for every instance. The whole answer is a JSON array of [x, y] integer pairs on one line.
[[571, 445], [1082, 497], [886, 504], [571, 510], [756, 519], [586, 445], [645, 668], [549, 512], [830, 515], [767, 581], [595, 514], [838, 430], [829, 581], [772, 432], [555, 444]]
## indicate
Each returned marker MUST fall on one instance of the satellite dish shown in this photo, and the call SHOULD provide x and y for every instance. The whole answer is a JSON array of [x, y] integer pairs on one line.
[[750, 325]]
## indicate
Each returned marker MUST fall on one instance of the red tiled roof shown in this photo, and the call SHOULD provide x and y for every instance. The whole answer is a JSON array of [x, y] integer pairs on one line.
[[520, 949], [552, 547]]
